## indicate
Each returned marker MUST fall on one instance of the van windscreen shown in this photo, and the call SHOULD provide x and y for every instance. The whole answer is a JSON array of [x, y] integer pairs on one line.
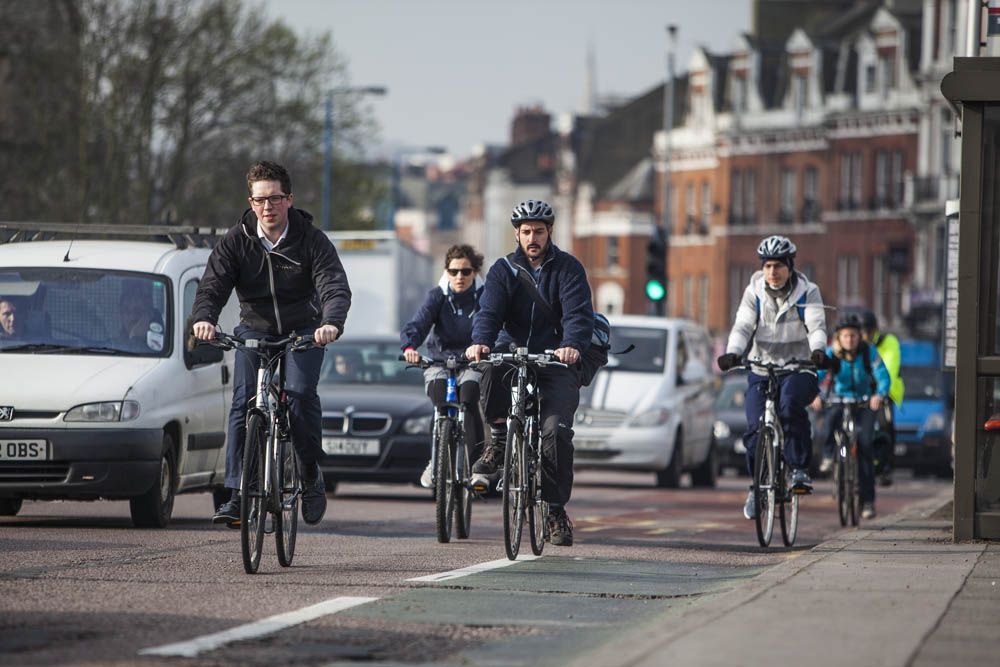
[[649, 354]]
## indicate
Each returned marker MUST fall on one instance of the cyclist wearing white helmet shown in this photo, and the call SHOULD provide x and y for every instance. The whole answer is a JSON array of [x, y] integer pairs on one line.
[[780, 318]]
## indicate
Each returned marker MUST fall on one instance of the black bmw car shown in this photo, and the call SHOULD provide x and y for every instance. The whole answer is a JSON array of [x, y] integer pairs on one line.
[[376, 416]]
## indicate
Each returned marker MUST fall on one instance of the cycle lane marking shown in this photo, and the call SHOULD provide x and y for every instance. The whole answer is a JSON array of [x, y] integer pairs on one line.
[[266, 626], [474, 569]]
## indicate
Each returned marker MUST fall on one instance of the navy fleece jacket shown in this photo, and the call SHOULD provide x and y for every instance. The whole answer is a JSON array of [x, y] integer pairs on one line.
[[450, 317]]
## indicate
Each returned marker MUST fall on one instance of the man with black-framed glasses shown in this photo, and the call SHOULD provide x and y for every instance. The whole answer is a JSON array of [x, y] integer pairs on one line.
[[288, 278]]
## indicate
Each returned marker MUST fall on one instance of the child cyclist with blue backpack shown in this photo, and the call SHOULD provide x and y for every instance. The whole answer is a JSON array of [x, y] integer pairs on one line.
[[858, 373]]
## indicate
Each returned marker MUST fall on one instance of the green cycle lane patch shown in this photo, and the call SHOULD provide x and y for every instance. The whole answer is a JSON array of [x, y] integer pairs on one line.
[[540, 612]]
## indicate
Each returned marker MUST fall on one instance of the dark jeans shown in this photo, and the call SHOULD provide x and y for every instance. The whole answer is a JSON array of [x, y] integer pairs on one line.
[[304, 412], [560, 389], [468, 396], [864, 426], [796, 392]]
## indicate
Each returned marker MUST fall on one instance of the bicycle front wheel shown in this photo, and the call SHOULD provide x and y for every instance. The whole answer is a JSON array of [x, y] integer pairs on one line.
[[463, 492], [764, 486], [788, 512], [444, 498], [840, 479], [253, 501], [537, 509], [851, 491], [286, 501], [513, 493]]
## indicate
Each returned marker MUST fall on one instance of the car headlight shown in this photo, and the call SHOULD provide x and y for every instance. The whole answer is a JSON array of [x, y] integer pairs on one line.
[[654, 417], [934, 422], [107, 411], [721, 430], [417, 425]]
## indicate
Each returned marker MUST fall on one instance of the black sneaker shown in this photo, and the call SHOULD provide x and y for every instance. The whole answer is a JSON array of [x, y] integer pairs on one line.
[[488, 463], [801, 483], [229, 511], [313, 497], [560, 528]]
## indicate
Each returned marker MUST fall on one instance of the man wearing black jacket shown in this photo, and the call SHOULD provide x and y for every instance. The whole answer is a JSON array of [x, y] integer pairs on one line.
[[508, 314], [288, 278]]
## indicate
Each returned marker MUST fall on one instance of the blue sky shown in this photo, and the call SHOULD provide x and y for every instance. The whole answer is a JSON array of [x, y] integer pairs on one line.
[[457, 69]]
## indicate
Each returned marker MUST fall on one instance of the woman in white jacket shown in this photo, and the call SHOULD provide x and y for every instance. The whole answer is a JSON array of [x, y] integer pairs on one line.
[[780, 318]]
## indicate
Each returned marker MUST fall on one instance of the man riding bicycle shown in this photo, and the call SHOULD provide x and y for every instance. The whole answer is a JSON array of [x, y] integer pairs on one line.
[[858, 372], [288, 278], [780, 318], [448, 310], [508, 315], [888, 349]]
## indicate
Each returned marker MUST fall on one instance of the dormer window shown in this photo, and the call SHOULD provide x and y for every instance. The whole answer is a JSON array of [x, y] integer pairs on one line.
[[801, 93], [740, 93], [887, 67]]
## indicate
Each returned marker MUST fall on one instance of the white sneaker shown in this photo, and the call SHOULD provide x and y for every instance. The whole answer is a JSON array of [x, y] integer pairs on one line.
[[826, 465], [427, 476], [750, 506], [868, 511]]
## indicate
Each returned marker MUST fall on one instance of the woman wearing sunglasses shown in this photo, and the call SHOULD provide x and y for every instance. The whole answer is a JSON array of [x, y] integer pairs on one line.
[[448, 311]]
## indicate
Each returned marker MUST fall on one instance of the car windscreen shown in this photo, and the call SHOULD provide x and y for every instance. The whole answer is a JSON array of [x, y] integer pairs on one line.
[[84, 311], [924, 382], [731, 395], [367, 362], [650, 350]]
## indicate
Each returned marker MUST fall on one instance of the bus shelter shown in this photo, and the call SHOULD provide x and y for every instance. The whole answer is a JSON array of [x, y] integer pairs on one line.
[[974, 282]]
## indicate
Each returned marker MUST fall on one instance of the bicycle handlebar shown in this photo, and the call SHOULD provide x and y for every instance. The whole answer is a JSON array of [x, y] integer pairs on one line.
[[230, 342], [522, 356], [790, 365], [450, 362]]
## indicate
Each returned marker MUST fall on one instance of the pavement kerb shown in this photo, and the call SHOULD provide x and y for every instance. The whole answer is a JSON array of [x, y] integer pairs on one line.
[[654, 635]]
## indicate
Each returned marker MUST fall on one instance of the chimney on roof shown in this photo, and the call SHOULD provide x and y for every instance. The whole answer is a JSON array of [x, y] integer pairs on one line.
[[530, 124]]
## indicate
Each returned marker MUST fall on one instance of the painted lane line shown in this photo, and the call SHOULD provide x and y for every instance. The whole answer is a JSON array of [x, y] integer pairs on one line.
[[266, 626], [474, 569]]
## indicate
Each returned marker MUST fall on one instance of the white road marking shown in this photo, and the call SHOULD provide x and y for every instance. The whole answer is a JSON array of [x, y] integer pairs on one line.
[[266, 626], [475, 569]]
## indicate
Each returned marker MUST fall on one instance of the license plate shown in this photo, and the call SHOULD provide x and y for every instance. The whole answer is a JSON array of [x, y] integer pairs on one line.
[[351, 446], [590, 444], [24, 450], [900, 450]]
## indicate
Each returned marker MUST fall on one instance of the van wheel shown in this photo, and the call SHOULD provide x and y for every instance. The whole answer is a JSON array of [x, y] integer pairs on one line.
[[707, 473], [670, 477], [10, 506], [153, 508]]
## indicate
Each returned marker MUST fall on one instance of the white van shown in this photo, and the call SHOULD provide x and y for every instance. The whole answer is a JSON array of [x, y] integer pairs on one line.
[[99, 395], [651, 409]]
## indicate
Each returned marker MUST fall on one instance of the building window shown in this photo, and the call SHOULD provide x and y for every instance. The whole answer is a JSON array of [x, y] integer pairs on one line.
[[870, 78], [750, 197], [888, 79], [706, 206], [810, 195], [739, 278], [740, 97], [736, 197], [703, 299], [881, 180], [612, 251], [856, 180], [801, 93], [692, 209], [688, 297], [896, 180], [786, 214], [848, 279], [850, 181]]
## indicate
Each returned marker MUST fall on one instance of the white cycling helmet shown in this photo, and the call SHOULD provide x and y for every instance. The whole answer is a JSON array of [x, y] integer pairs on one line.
[[776, 248]]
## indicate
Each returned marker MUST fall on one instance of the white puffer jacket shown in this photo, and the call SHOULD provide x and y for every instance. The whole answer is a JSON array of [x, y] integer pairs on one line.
[[781, 334]]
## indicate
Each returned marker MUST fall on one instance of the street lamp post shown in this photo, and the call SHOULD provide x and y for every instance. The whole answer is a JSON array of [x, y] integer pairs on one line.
[[328, 143], [659, 306]]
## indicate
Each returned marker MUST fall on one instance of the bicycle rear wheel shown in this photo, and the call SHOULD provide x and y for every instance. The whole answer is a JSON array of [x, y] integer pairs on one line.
[[463, 492], [444, 474], [253, 503], [840, 478], [513, 493], [286, 501], [788, 512], [764, 486], [537, 508]]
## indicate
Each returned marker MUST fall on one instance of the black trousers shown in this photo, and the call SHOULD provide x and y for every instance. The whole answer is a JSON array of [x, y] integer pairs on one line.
[[864, 424], [560, 391]]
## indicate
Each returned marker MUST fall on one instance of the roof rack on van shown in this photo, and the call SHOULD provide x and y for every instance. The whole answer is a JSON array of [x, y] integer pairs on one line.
[[182, 236]]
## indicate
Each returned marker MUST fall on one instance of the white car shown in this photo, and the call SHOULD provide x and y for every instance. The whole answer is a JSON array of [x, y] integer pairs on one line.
[[651, 409], [100, 396]]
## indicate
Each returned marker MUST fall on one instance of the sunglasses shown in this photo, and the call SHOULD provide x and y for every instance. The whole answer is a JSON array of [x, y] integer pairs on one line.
[[455, 272]]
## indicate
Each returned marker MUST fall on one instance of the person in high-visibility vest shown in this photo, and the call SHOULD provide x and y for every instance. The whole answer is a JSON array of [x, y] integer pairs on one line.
[[888, 348]]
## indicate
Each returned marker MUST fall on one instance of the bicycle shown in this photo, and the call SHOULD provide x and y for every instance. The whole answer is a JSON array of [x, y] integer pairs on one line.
[[772, 487], [845, 462], [521, 483], [270, 482], [450, 456]]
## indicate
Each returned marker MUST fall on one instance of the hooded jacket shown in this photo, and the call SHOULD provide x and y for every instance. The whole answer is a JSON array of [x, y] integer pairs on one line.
[[449, 315], [507, 313], [772, 329], [299, 284], [853, 380]]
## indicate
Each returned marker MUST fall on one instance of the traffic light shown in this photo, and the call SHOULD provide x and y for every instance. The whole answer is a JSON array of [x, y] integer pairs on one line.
[[656, 267]]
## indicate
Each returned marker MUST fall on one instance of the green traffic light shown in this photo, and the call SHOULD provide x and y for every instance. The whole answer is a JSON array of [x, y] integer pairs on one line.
[[655, 290]]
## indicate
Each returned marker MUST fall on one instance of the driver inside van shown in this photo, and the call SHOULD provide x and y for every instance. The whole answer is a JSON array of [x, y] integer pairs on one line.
[[141, 327]]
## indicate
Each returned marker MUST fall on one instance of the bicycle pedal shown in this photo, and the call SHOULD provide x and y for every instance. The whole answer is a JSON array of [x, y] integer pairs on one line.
[[800, 491]]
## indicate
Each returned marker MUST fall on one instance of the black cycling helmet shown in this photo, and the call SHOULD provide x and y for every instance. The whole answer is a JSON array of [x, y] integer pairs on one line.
[[532, 210], [868, 321], [776, 248], [849, 321]]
